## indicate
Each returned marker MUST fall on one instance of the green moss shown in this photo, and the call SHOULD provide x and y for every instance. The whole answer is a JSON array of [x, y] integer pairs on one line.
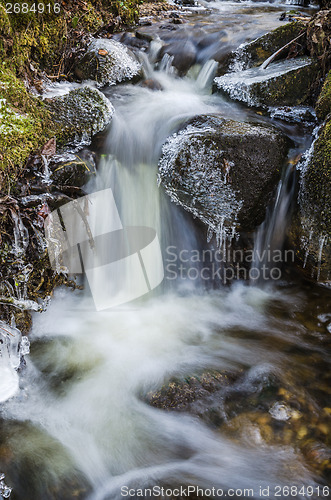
[[323, 105], [25, 127]]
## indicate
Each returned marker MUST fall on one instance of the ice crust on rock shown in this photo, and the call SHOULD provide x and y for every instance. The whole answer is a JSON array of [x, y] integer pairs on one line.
[[201, 186]]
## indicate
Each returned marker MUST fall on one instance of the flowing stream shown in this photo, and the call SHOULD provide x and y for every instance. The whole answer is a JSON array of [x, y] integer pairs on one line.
[[81, 425]]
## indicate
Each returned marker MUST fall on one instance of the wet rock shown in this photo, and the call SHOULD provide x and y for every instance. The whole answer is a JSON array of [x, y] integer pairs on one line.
[[151, 84], [281, 83], [130, 40], [107, 62], [199, 395], [144, 35], [310, 233], [254, 53], [223, 171], [73, 169], [190, 3], [80, 114], [184, 54]]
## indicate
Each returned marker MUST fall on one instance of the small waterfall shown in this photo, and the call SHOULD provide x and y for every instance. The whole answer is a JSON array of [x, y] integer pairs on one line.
[[141, 124], [270, 236]]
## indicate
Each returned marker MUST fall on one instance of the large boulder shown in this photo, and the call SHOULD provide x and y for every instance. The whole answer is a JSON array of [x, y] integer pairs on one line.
[[79, 115], [107, 62], [283, 83], [310, 233], [223, 171]]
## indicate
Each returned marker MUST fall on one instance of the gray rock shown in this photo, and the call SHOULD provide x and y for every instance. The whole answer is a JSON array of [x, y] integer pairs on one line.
[[73, 169], [284, 83], [79, 115], [183, 52], [223, 171], [107, 62]]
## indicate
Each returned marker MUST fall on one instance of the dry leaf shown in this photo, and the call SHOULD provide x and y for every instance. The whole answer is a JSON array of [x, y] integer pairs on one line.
[[49, 149], [102, 52]]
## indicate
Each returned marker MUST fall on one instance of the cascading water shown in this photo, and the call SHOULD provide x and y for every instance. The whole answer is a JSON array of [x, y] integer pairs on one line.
[[270, 236], [81, 426]]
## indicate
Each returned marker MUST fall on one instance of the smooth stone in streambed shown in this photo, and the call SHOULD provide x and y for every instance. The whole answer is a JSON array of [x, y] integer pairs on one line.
[[223, 171], [283, 83], [107, 62]]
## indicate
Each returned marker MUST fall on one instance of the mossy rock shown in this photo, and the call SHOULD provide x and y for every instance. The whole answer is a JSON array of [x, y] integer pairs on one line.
[[107, 62], [256, 52], [283, 83], [323, 105], [310, 233], [25, 127], [79, 115], [222, 171]]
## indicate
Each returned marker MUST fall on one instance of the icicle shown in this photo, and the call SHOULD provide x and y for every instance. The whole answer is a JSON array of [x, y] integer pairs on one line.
[[5, 491], [322, 241], [12, 347]]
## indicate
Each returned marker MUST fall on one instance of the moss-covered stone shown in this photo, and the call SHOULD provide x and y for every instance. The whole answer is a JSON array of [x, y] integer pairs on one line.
[[79, 115], [256, 52], [323, 105], [284, 83]]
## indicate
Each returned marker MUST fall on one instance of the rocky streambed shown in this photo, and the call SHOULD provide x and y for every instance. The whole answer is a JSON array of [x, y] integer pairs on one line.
[[227, 108]]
